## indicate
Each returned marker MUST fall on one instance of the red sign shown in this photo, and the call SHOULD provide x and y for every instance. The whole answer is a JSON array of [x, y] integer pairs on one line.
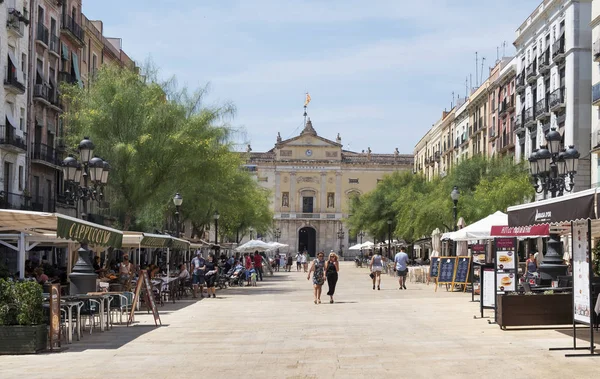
[[478, 248], [520, 231]]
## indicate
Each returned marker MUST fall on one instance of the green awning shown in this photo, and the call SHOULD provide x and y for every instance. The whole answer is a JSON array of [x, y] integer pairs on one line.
[[155, 240], [87, 232], [177, 243], [65, 51], [75, 60]]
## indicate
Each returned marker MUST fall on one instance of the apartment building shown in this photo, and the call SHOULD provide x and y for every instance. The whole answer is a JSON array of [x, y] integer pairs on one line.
[[44, 105], [462, 131], [595, 122], [478, 120], [14, 47], [93, 49], [501, 108], [554, 69]]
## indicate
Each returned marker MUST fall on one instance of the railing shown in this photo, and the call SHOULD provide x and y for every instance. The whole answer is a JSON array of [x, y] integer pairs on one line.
[[54, 44], [530, 73], [42, 34], [45, 153], [69, 24], [37, 204], [557, 98], [558, 47], [529, 115], [520, 79], [9, 200], [8, 136], [10, 79], [41, 90], [66, 77], [596, 94], [544, 60], [541, 107]]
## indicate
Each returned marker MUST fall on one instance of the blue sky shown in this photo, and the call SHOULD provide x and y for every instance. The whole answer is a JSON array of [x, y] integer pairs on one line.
[[379, 72]]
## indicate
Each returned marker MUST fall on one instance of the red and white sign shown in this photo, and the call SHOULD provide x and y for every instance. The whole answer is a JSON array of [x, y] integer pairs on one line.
[[520, 231]]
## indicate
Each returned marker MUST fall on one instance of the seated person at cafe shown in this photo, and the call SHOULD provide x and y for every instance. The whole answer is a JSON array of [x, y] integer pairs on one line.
[[530, 266], [153, 271], [97, 268], [40, 276], [183, 272], [125, 271], [29, 270]]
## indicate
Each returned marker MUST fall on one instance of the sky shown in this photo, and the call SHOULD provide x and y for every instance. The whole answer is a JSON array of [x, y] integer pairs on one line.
[[379, 72]]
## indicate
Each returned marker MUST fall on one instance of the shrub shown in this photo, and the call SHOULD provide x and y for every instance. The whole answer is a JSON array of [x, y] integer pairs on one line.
[[20, 303]]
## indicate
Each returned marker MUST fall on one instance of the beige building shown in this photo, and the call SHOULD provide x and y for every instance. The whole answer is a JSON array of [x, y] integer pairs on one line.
[[311, 179]]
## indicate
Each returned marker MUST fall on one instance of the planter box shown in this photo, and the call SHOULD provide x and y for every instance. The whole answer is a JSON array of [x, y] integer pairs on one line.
[[17, 339], [529, 310]]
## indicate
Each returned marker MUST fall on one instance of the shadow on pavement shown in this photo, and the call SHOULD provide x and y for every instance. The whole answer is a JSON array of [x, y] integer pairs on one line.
[[583, 334]]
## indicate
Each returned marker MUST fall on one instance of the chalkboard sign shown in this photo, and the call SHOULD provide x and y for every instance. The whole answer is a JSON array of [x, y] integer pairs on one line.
[[433, 269], [447, 268], [143, 285], [462, 270]]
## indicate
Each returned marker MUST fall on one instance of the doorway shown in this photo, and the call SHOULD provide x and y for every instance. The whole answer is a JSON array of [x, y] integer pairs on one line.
[[307, 240]]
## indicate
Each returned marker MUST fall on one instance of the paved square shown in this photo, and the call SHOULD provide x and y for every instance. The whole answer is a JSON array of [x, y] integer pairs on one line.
[[275, 331]]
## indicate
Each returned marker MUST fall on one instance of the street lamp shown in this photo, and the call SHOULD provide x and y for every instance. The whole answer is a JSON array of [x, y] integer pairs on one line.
[[361, 234], [86, 179], [216, 218], [177, 200], [277, 234], [251, 233], [551, 169], [455, 195], [389, 222], [340, 235]]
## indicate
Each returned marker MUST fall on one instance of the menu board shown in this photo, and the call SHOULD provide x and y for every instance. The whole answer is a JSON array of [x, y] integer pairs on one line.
[[433, 269], [54, 315], [143, 286], [447, 268], [488, 292], [506, 282], [462, 269], [150, 297], [506, 259], [581, 272]]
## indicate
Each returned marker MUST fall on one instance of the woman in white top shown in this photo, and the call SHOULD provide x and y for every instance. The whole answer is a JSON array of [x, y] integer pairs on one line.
[[376, 267], [125, 272]]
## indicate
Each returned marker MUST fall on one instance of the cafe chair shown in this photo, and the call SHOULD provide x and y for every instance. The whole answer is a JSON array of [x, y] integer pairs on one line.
[[90, 310]]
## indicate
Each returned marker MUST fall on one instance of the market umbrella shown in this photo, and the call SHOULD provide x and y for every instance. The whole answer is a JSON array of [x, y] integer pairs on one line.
[[367, 245], [436, 241], [358, 246], [277, 245], [254, 245]]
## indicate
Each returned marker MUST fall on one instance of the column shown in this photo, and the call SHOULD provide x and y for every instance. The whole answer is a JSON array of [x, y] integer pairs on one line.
[[292, 192], [277, 205], [323, 201], [338, 192]]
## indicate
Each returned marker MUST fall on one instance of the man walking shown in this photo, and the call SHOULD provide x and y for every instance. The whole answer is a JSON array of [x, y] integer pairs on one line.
[[298, 261], [305, 261], [258, 265], [198, 266], [401, 260]]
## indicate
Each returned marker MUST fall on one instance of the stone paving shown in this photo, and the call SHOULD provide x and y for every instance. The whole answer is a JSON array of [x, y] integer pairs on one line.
[[275, 331]]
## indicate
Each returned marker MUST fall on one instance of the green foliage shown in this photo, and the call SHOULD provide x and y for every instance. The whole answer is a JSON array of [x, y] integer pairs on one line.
[[596, 257], [160, 141], [417, 206], [20, 303]]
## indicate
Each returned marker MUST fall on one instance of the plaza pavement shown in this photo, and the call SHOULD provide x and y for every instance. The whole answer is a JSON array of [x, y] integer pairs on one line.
[[275, 331]]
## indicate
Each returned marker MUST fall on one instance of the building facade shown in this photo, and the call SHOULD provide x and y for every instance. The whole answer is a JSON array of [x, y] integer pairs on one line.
[[311, 179], [14, 45], [595, 114], [503, 143], [554, 65]]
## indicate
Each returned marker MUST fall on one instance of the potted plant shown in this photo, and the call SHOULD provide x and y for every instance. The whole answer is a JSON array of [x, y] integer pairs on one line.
[[22, 326]]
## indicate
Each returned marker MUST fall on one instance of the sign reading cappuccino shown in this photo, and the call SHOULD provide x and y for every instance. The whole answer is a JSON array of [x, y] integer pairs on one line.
[[87, 233]]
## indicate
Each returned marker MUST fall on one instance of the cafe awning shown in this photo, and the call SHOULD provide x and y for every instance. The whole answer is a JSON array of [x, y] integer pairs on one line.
[[139, 239], [575, 206], [65, 227]]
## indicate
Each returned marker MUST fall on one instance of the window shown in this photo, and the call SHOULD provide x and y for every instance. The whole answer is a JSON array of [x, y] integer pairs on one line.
[[353, 181], [22, 120], [21, 178], [94, 63], [24, 65], [330, 200], [285, 199], [285, 153]]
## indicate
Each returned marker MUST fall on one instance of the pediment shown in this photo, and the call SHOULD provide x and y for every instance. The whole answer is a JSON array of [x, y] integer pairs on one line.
[[307, 140]]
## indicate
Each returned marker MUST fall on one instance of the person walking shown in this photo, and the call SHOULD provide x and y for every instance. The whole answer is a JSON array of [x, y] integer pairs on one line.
[[318, 268], [211, 275], [376, 266], [258, 259], [298, 261], [305, 261], [289, 263], [401, 260], [332, 267], [198, 266]]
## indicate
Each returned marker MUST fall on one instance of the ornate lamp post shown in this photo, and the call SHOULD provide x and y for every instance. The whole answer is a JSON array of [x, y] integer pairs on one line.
[[216, 218], [85, 180], [553, 171], [455, 195], [251, 233], [277, 234], [340, 235], [389, 222], [361, 234], [177, 200]]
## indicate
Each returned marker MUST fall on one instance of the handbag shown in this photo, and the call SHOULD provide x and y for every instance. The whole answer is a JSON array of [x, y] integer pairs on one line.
[[372, 276]]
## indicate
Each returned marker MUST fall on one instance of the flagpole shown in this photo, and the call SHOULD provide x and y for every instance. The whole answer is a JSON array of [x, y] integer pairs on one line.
[[307, 100]]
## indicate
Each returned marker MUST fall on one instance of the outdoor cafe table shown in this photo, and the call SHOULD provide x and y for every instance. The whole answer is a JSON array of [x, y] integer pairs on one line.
[[68, 306], [104, 301]]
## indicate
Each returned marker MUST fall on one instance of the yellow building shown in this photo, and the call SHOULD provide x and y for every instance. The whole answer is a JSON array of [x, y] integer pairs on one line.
[[311, 179]]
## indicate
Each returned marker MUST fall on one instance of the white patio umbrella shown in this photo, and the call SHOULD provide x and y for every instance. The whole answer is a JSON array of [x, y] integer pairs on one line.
[[367, 245], [276, 245], [358, 246], [253, 245]]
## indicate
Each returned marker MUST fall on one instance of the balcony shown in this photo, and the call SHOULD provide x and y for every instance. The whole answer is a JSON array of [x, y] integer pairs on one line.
[[542, 111], [519, 128], [558, 49], [557, 100], [15, 22], [42, 36], [596, 94], [596, 50], [11, 82], [66, 77], [530, 73], [41, 92], [544, 62], [45, 155], [72, 29], [9, 200], [10, 140], [492, 134], [507, 105], [528, 117], [54, 45], [520, 82], [595, 141]]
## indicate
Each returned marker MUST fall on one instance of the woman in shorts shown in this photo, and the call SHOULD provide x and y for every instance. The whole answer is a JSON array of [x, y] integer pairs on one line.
[[376, 267]]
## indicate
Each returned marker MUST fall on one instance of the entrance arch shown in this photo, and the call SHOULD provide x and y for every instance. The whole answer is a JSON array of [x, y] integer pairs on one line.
[[307, 240]]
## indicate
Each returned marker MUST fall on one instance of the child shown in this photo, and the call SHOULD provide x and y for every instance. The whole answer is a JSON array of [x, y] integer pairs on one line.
[[249, 274], [253, 278]]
